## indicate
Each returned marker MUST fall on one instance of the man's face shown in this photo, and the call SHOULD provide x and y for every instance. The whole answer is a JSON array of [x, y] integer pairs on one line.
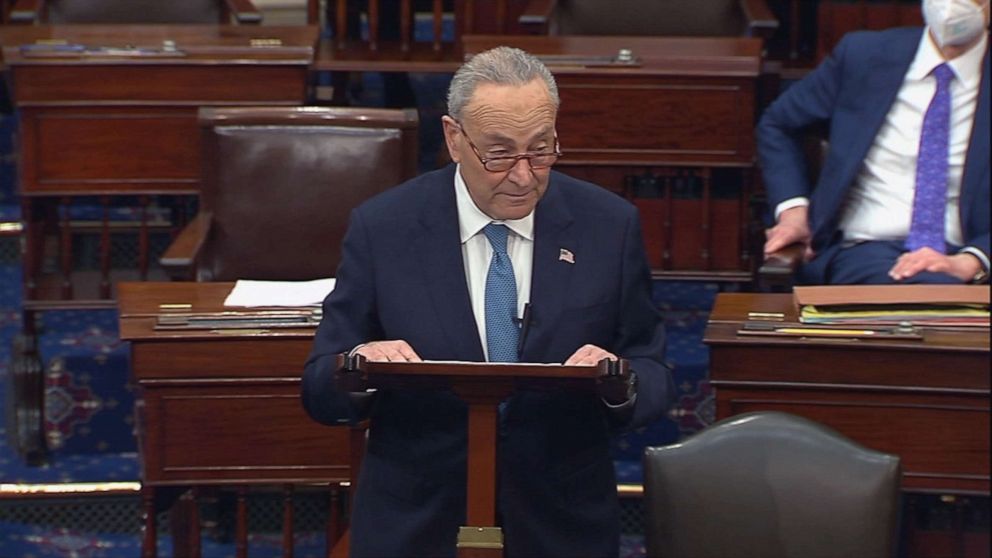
[[504, 120]]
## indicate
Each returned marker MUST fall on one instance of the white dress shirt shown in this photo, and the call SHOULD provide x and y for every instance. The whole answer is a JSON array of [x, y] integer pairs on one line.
[[879, 205], [477, 253]]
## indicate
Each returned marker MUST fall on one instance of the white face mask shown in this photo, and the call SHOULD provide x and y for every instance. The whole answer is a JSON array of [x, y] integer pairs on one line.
[[954, 22]]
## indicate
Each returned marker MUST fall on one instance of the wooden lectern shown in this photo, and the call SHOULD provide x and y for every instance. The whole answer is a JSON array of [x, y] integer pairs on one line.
[[482, 386]]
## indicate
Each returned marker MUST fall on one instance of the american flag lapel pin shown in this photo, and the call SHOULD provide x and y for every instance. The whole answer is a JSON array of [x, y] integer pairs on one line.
[[565, 255]]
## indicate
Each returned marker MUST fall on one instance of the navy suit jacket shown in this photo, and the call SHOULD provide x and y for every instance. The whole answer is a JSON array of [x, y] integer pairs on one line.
[[402, 277], [853, 89]]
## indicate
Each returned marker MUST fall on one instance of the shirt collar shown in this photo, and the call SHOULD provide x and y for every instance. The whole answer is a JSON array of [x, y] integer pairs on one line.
[[967, 68], [471, 219]]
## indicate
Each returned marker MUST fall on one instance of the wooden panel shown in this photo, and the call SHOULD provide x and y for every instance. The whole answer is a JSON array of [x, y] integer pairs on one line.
[[942, 441], [673, 229], [110, 149], [726, 238], [134, 84], [612, 120], [836, 18], [654, 217], [260, 357], [925, 400], [238, 433], [849, 363]]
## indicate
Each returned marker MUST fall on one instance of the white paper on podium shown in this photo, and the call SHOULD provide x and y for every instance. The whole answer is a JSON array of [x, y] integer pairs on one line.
[[253, 294]]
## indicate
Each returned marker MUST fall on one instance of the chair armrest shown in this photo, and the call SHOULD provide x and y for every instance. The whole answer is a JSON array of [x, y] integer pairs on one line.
[[761, 22], [181, 256], [779, 268], [26, 11], [244, 11], [536, 17]]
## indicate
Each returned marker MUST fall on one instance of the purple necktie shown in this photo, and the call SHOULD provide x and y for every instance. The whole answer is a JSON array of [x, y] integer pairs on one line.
[[930, 198]]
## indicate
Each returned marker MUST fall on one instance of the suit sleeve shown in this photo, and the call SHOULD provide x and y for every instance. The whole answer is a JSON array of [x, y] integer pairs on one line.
[[977, 224], [780, 130], [348, 320], [641, 334]]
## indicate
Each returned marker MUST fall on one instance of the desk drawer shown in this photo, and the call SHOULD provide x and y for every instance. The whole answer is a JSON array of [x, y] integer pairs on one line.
[[238, 433]]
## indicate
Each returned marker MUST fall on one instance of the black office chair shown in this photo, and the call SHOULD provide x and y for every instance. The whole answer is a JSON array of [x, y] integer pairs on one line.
[[773, 485]]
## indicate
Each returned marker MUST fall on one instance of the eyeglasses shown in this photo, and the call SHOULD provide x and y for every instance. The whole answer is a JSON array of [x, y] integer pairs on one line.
[[536, 161]]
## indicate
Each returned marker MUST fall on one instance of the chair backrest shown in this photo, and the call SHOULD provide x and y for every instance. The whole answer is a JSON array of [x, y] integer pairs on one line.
[[707, 18], [133, 11], [281, 182], [773, 485]]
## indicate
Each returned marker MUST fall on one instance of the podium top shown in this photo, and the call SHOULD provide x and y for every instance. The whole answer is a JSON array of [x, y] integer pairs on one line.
[[488, 369]]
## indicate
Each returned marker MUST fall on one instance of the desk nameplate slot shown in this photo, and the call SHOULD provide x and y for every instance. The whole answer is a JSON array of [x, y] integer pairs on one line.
[[259, 320]]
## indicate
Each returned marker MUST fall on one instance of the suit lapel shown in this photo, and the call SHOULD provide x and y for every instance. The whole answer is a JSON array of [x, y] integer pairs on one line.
[[551, 275], [444, 271]]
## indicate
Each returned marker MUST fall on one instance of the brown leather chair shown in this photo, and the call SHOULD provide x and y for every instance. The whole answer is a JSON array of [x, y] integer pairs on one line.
[[278, 186], [770, 484], [681, 18], [134, 11]]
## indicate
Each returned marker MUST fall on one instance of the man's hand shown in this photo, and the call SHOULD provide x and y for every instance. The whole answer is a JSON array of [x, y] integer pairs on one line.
[[792, 226], [615, 390], [589, 355], [962, 266], [388, 351]]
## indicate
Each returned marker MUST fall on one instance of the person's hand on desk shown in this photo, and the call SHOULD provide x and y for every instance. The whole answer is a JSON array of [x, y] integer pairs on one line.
[[792, 227], [614, 390], [376, 351], [388, 351], [589, 355], [963, 266]]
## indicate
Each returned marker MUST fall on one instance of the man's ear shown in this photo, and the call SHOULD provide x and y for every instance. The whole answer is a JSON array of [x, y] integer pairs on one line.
[[451, 133]]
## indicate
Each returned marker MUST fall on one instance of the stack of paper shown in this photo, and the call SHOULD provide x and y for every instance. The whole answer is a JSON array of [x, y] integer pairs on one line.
[[254, 294], [887, 305]]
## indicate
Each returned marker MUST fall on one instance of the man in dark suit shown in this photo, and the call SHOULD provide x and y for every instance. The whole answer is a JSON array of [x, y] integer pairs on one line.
[[437, 269], [866, 220]]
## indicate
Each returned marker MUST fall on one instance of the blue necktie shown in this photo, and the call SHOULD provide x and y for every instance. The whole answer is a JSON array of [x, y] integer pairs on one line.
[[930, 197], [501, 299]]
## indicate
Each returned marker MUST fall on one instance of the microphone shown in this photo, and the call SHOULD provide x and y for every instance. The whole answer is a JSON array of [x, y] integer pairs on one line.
[[524, 328]]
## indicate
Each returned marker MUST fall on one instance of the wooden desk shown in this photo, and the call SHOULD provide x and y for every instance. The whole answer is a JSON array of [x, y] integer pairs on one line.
[[926, 401], [673, 132], [116, 124], [113, 124], [222, 408], [127, 123]]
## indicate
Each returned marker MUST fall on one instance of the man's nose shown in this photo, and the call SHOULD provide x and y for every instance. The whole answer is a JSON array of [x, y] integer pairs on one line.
[[520, 172]]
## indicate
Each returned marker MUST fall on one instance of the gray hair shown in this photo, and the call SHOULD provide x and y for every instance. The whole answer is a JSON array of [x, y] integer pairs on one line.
[[502, 66]]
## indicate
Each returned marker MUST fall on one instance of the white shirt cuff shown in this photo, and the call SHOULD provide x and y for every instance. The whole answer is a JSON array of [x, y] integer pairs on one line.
[[625, 405], [789, 204], [978, 254]]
